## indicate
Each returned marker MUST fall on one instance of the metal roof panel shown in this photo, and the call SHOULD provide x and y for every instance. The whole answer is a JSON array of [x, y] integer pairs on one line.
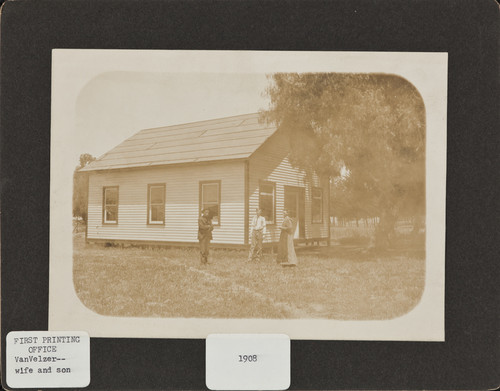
[[234, 137]]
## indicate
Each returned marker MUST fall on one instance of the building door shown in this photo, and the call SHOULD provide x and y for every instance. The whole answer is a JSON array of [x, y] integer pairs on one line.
[[294, 203]]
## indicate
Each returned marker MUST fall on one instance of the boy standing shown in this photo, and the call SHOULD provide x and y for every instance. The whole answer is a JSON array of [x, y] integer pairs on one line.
[[257, 231]]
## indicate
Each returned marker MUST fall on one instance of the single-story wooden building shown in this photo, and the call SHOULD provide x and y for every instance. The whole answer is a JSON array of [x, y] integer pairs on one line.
[[151, 187]]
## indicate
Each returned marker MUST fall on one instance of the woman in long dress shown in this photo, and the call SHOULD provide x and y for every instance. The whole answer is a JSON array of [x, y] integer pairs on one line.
[[292, 257], [286, 251]]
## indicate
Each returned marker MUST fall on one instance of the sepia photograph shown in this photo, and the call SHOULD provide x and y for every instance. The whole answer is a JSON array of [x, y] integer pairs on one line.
[[249, 192], [249, 195]]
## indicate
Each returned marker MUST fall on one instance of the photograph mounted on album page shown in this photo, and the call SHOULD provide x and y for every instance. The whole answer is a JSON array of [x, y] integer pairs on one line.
[[200, 192], [177, 174]]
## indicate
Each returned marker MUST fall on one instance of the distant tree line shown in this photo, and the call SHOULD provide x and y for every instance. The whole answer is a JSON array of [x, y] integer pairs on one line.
[[81, 187]]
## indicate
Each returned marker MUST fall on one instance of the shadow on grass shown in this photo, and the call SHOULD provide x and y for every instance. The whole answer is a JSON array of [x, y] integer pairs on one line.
[[360, 252]]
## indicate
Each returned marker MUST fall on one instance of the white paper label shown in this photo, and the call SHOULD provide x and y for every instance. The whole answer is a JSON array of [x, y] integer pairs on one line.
[[51, 359], [248, 362]]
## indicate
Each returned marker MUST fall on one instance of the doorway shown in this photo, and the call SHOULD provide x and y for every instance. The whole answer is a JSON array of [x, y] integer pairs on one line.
[[294, 203]]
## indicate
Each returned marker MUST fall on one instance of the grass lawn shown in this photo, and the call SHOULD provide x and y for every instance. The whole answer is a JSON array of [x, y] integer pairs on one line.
[[337, 282]]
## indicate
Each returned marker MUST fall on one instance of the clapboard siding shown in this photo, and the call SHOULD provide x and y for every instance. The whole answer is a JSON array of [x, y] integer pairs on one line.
[[181, 203], [270, 163]]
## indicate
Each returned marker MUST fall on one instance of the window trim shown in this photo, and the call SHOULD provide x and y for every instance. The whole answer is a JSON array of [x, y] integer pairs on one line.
[[148, 212], [200, 206], [273, 184], [312, 202], [104, 188]]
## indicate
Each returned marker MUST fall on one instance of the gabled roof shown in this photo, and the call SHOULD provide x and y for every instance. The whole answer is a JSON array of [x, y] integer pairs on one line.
[[234, 137]]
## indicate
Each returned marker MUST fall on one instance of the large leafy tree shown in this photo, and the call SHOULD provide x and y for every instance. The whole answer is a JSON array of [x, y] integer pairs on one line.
[[80, 187], [365, 131]]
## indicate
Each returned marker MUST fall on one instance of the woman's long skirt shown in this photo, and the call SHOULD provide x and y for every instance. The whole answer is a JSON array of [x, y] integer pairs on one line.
[[292, 257], [283, 247]]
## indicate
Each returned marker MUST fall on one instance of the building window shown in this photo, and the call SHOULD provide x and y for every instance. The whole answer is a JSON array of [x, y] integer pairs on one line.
[[267, 200], [110, 205], [210, 198], [317, 205], [156, 204]]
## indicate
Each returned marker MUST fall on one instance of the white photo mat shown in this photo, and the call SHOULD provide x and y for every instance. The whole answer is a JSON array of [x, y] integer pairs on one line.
[[73, 69]]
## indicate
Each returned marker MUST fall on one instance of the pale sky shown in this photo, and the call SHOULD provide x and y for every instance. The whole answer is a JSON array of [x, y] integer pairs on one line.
[[115, 105]]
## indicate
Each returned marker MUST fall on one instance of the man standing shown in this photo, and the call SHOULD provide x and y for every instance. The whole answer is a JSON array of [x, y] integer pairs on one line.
[[257, 231], [205, 228]]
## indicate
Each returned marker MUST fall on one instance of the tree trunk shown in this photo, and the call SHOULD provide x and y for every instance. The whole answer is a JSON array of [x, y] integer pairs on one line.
[[384, 230]]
